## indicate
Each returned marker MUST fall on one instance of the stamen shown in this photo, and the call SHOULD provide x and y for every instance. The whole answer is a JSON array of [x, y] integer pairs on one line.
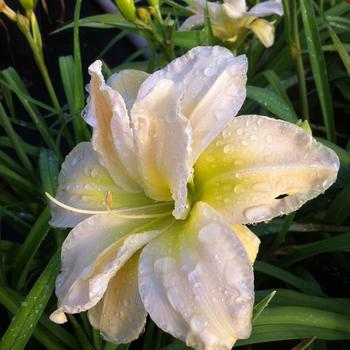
[[118, 212], [108, 200]]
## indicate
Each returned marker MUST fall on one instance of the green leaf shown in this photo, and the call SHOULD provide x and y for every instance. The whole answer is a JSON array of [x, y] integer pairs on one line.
[[272, 102], [16, 84], [48, 166], [288, 322], [318, 66], [339, 210], [29, 248], [260, 307], [109, 20], [287, 277], [15, 139], [28, 315], [334, 244]]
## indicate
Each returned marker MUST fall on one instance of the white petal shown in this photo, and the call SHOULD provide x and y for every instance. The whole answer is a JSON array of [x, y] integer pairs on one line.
[[83, 183], [239, 6], [256, 160], [249, 240], [264, 30], [112, 135], [163, 141], [213, 84], [92, 254], [120, 315], [267, 8], [127, 82], [196, 282], [192, 21]]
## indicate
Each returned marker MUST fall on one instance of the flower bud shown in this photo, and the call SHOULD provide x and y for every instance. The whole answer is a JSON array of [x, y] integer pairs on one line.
[[28, 5], [127, 9], [7, 11], [152, 10], [143, 14], [23, 23], [154, 3]]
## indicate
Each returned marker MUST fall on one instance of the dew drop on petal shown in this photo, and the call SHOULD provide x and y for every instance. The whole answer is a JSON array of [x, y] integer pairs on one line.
[[257, 213], [198, 323], [165, 264], [209, 71], [211, 233]]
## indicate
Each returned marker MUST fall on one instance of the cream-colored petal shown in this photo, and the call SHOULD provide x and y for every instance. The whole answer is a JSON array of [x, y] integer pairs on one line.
[[163, 142], [192, 21], [84, 183], [264, 30], [112, 135], [212, 82], [120, 315], [249, 240], [239, 6], [255, 161], [267, 8], [196, 282], [92, 254], [127, 82]]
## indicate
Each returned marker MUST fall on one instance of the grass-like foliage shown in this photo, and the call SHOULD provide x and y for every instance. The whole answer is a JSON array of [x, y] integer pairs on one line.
[[303, 267]]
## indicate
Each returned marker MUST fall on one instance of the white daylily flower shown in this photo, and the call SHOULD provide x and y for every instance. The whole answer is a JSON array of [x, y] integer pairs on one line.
[[170, 141], [231, 22]]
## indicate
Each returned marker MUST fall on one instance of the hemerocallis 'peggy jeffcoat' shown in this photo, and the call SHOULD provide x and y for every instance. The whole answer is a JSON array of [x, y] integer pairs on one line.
[[159, 198], [231, 22]]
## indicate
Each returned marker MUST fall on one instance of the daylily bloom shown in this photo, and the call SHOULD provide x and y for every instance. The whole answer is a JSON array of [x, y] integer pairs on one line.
[[160, 196], [231, 22]]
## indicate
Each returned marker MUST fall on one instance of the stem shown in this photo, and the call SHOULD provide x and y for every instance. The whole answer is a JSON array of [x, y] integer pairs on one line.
[[296, 53]]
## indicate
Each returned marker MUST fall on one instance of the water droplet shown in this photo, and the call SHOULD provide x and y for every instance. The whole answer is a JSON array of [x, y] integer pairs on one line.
[[209, 71], [197, 274], [244, 142], [239, 131], [253, 137], [258, 213], [198, 323], [268, 138], [229, 149], [212, 233], [221, 114], [239, 188], [94, 172], [165, 264], [226, 133]]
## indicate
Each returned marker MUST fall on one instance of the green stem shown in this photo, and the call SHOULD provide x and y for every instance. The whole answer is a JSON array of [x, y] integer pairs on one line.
[[296, 52]]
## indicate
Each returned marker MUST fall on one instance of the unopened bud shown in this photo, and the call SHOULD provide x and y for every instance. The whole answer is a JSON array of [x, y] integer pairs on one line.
[[22, 23], [152, 10], [28, 5], [143, 14], [127, 9], [7, 11], [154, 3]]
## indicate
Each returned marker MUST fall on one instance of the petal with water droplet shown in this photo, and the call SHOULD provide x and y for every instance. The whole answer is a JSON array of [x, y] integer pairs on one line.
[[212, 82], [92, 254], [257, 180], [196, 281], [267, 8], [120, 315], [83, 183], [112, 136], [163, 144]]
